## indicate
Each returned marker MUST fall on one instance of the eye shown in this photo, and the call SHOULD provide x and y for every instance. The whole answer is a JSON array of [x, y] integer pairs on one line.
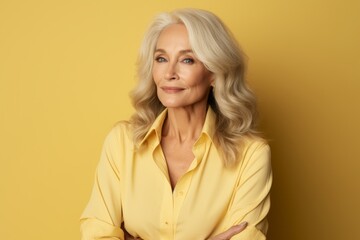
[[160, 59], [188, 60]]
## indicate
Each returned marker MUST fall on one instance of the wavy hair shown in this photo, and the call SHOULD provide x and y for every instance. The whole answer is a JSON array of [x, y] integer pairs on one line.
[[231, 99]]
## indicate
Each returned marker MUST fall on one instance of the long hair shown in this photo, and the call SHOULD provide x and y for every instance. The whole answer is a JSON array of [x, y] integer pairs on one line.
[[231, 99]]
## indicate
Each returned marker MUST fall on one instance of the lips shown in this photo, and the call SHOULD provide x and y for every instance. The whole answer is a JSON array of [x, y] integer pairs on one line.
[[172, 89]]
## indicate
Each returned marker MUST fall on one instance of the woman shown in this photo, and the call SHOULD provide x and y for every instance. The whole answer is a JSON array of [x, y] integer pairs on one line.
[[189, 164]]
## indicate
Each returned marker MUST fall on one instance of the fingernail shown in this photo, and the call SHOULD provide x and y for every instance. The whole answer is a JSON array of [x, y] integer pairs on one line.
[[243, 224]]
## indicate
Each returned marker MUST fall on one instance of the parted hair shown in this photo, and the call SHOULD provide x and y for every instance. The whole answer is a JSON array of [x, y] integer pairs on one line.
[[231, 99]]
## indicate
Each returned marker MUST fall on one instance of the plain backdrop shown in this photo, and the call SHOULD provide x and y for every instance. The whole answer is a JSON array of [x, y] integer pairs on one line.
[[66, 69]]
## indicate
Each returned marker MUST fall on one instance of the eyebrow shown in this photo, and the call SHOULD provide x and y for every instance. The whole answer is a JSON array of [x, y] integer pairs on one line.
[[181, 51]]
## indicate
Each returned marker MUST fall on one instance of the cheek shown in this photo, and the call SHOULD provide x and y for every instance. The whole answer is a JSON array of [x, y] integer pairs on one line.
[[201, 80], [155, 75]]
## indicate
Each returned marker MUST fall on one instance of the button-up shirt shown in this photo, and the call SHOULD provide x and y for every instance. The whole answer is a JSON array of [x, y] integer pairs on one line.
[[132, 188]]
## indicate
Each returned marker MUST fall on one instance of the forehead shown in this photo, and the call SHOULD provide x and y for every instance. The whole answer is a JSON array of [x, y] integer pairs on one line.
[[173, 35]]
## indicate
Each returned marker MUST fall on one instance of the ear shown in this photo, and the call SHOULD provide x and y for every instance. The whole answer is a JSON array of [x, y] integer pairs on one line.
[[212, 80]]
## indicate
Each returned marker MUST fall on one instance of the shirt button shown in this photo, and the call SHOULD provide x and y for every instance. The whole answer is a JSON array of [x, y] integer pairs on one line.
[[166, 223]]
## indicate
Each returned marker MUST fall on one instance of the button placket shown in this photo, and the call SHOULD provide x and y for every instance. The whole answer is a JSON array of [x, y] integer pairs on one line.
[[166, 214]]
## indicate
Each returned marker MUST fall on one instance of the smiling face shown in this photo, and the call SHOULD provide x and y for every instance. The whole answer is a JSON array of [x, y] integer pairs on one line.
[[181, 79]]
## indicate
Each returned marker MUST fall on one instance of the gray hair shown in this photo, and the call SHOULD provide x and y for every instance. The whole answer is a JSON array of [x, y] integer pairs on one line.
[[231, 99]]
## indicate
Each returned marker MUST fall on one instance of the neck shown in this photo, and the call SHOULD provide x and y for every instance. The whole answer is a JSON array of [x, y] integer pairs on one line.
[[184, 124]]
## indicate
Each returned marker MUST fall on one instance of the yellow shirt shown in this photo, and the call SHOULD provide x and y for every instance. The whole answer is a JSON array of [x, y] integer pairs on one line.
[[133, 187]]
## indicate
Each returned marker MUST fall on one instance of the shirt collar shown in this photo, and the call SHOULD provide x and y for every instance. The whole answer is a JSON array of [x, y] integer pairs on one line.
[[156, 127], [209, 124]]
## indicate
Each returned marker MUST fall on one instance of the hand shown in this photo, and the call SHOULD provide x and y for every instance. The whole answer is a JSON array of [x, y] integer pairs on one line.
[[228, 234], [129, 237]]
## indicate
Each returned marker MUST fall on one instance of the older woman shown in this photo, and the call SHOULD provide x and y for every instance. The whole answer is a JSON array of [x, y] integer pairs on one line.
[[189, 164]]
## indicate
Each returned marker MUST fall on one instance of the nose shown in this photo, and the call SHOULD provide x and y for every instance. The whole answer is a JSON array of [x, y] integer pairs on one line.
[[171, 71]]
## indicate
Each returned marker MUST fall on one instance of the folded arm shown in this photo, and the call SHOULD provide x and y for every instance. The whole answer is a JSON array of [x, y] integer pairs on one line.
[[251, 201], [102, 216]]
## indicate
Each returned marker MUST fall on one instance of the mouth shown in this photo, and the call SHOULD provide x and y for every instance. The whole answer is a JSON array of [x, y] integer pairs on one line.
[[172, 89]]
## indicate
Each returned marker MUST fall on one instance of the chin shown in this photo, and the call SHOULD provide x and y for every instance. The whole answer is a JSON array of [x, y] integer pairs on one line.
[[172, 103]]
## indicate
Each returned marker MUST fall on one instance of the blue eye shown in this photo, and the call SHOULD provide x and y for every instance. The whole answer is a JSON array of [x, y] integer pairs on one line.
[[188, 60], [160, 59]]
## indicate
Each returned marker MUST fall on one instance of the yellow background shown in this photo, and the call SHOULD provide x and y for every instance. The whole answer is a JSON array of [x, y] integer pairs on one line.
[[66, 68]]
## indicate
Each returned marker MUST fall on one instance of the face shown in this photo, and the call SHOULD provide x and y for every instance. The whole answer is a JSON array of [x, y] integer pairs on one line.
[[181, 79]]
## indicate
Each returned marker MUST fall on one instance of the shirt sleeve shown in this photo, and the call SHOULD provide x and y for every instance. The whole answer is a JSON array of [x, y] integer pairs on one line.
[[251, 202], [102, 216]]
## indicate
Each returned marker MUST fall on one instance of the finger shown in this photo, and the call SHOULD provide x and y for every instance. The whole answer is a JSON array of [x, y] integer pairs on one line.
[[233, 231], [129, 237]]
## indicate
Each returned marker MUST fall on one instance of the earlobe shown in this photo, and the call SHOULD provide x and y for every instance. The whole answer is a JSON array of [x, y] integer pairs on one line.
[[212, 80]]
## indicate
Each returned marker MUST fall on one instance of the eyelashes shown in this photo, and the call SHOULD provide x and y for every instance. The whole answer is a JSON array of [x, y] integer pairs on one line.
[[160, 59], [186, 60]]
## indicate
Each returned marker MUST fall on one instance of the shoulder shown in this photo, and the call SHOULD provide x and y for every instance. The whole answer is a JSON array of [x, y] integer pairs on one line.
[[118, 145], [256, 151], [254, 144], [119, 133]]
